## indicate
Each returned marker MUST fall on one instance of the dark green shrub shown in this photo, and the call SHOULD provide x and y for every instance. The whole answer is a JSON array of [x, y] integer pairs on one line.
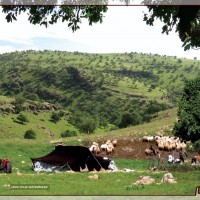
[[22, 118], [30, 134], [33, 97], [55, 117], [68, 133], [197, 146]]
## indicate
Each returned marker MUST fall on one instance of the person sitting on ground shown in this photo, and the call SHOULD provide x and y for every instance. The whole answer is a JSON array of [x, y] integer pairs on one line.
[[170, 159], [194, 160]]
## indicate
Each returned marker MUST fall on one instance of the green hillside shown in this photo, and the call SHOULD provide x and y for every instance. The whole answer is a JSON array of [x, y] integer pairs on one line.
[[85, 92]]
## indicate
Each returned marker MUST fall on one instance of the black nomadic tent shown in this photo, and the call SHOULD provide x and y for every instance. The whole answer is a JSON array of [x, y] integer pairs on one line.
[[75, 157]]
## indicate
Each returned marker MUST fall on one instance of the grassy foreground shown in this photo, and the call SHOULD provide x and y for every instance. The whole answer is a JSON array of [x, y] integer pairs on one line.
[[115, 183], [108, 184]]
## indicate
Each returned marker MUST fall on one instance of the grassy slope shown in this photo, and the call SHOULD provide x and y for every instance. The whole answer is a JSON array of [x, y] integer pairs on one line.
[[40, 123], [45, 129]]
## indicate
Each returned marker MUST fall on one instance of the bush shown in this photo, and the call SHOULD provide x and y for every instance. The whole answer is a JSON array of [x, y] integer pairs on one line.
[[55, 117], [22, 118], [197, 146], [68, 133], [30, 134]]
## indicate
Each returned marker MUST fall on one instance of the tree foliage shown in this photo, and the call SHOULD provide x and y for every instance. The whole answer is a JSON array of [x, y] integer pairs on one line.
[[188, 125], [185, 19], [87, 125], [197, 146], [130, 119], [45, 15]]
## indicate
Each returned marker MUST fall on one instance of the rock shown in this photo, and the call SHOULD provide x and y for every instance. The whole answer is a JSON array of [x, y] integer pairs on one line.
[[95, 176], [19, 173]]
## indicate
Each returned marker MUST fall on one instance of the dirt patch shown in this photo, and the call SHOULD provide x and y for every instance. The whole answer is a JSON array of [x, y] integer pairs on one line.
[[131, 147]]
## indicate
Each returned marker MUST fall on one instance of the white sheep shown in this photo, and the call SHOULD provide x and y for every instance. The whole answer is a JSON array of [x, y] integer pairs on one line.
[[114, 142], [94, 149], [109, 149], [103, 147], [148, 138]]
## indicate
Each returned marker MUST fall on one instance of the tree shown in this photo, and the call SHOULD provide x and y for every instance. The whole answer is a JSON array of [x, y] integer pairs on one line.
[[130, 119], [22, 118], [185, 19], [188, 125], [87, 125]]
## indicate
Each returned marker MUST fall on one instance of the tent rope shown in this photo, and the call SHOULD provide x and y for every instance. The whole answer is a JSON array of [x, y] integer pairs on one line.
[[97, 161]]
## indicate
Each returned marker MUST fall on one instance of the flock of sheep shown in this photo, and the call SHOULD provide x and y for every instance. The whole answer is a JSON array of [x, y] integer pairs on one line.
[[108, 147], [166, 143]]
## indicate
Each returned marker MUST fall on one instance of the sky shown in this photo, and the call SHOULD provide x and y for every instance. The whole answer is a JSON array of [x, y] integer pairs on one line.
[[123, 30]]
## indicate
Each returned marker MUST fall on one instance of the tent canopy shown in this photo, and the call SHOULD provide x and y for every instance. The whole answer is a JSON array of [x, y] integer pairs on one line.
[[75, 157]]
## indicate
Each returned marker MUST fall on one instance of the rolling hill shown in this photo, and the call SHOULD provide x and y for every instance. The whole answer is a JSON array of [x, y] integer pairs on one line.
[[87, 92]]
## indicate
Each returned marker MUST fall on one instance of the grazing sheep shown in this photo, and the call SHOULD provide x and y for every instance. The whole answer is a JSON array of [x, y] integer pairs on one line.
[[168, 146], [103, 147], [94, 149], [173, 145], [148, 138], [109, 149], [183, 145], [95, 143], [97, 150], [161, 146], [114, 142], [145, 139], [148, 152], [178, 146]]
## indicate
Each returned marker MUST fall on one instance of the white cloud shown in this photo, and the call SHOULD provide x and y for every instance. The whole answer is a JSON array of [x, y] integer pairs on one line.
[[4, 49], [122, 30]]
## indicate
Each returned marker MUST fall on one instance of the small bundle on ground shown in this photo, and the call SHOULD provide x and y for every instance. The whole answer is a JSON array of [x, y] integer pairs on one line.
[[144, 180], [168, 178]]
